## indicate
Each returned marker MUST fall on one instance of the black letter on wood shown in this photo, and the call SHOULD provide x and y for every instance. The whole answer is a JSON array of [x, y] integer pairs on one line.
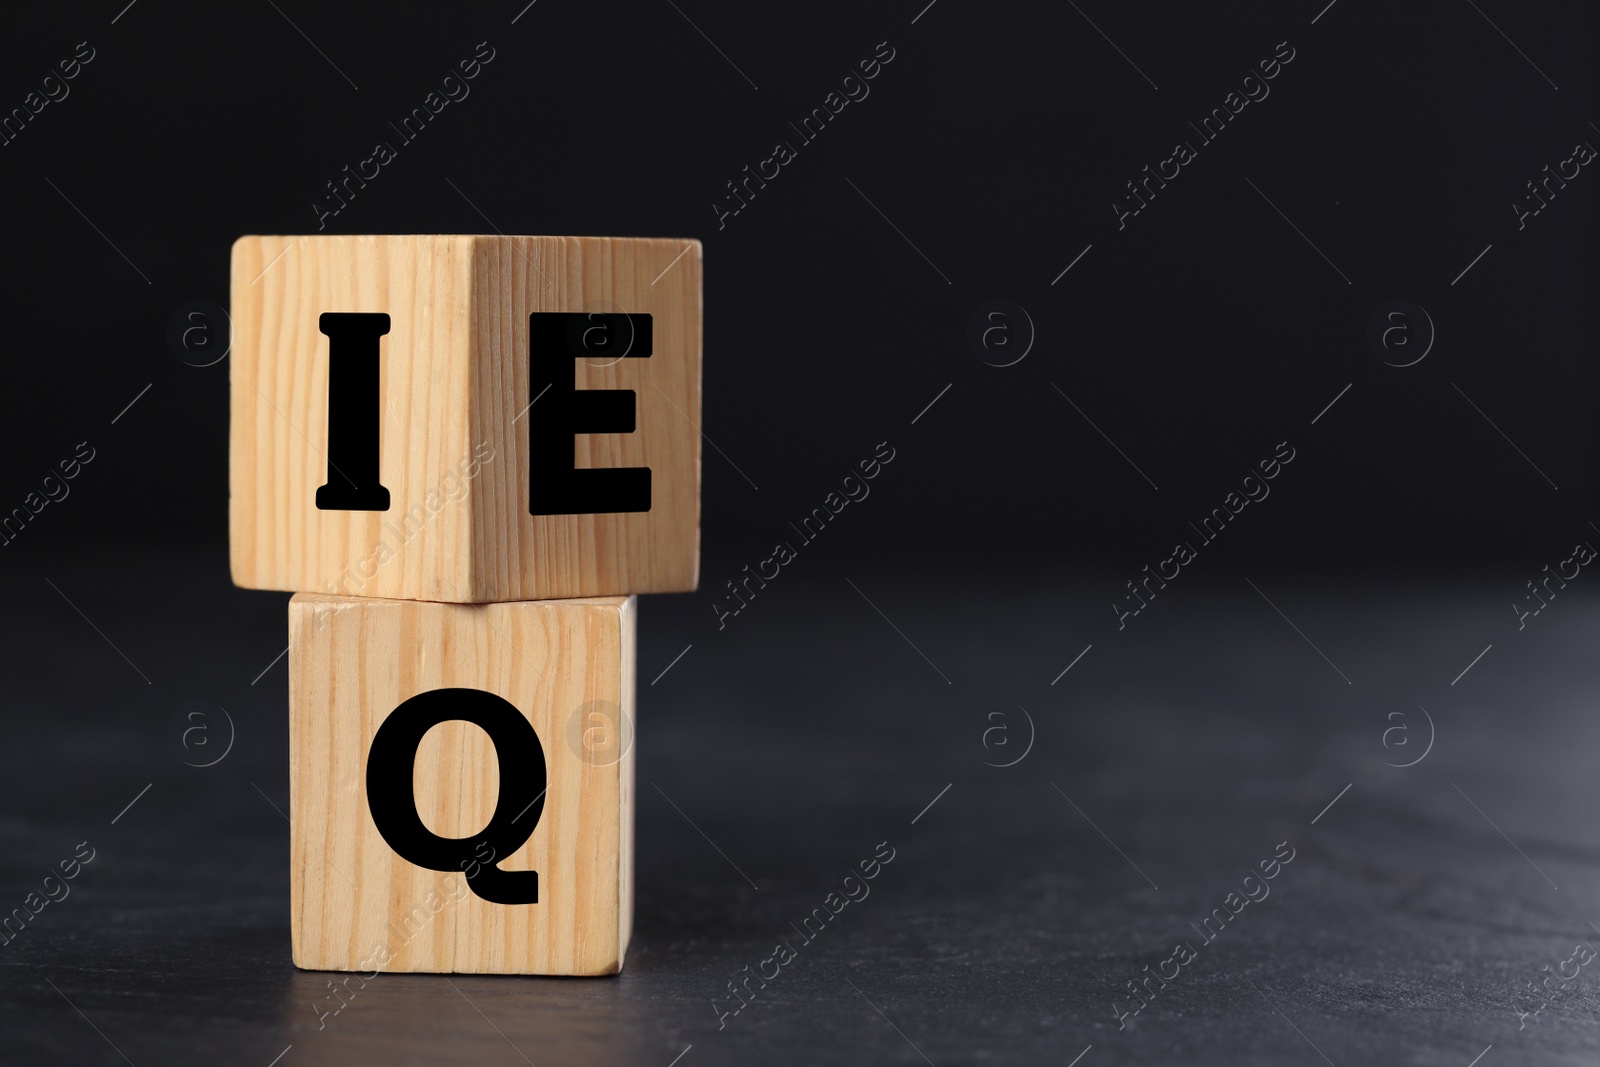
[[555, 485], [353, 412]]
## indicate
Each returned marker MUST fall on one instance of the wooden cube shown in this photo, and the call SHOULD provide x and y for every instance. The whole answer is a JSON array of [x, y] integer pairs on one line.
[[461, 785], [465, 418]]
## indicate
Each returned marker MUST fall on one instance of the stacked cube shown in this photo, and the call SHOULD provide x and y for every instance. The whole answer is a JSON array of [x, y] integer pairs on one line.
[[464, 455]]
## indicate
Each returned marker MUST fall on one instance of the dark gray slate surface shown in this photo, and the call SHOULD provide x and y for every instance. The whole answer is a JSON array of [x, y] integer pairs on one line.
[[802, 736]]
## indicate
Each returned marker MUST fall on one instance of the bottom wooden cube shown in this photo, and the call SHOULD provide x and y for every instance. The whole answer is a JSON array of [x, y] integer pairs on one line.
[[461, 785]]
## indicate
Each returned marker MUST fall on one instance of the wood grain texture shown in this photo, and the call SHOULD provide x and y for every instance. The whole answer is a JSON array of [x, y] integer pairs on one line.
[[356, 905], [455, 395]]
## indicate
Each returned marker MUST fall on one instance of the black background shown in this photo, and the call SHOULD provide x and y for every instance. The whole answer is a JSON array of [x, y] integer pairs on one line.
[[986, 158], [1196, 338]]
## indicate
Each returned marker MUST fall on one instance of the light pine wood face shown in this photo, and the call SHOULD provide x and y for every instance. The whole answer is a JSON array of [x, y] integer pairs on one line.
[[455, 391], [358, 906]]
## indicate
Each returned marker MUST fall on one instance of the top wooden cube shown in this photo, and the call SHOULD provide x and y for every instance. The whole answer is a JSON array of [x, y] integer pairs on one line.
[[465, 419]]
